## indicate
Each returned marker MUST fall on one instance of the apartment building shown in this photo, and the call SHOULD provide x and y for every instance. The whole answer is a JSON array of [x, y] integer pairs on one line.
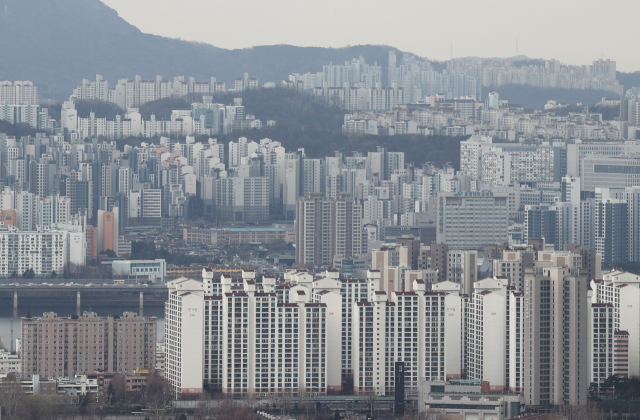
[[54, 347], [512, 266], [556, 345], [44, 251], [326, 228], [242, 199], [602, 354], [622, 290], [184, 336], [10, 363], [462, 268], [18, 93], [425, 330]]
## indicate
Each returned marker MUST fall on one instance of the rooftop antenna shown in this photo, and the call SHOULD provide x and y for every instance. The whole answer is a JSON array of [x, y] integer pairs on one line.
[[516, 46]]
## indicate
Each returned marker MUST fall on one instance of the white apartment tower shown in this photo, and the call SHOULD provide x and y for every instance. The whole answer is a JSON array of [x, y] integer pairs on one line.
[[488, 333], [602, 317], [622, 290]]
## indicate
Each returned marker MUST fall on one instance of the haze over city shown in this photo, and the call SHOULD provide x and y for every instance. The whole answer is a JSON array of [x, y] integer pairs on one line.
[[573, 31], [279, 210]]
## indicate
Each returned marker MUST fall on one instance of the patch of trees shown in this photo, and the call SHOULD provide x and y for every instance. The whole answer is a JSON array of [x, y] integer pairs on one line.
[[629, 266], [629, 80], [75, 271], [529, 62], [608, 112], [17, 130], [162, 107], [225, 410], [288, 107], [101, 109], [619, 395], [534, 97], [319, 143]]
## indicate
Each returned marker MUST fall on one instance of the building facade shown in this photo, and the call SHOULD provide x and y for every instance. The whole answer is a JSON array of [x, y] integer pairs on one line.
[[55, 347]]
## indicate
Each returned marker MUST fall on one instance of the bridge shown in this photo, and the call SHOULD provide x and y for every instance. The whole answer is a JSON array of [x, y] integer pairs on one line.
[[94, 294]]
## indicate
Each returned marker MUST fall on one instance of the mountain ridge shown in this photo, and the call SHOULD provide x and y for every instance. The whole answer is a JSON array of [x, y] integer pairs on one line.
[[57, 43]]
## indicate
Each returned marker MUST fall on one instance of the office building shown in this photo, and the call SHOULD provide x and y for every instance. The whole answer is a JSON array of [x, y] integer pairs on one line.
[[468, 220], [609, 172], [140, 270]]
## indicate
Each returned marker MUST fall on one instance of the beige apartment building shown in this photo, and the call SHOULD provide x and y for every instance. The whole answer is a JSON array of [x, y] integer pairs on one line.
[[556, 329], [54, 347]]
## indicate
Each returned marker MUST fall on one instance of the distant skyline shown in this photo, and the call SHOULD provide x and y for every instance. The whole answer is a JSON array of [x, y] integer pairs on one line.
[[572, 31]]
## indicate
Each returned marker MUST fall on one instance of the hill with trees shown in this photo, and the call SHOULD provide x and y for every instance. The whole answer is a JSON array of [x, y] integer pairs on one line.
[[57, 43], [304, 121], [533, 97], [629, 80], [16, 130]]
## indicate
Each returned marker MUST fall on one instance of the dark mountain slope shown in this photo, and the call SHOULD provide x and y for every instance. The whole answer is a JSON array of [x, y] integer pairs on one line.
[[57, 43]]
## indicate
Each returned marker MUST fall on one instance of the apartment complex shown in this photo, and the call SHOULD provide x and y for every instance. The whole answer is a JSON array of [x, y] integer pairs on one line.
[[45, 251], [244, 341]]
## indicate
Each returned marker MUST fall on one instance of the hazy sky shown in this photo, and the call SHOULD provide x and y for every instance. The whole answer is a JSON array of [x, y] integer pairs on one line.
[[572, 31]]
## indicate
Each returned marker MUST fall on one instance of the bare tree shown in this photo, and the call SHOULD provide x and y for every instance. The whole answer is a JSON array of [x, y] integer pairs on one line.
[[582, 412], [11, 397], [203, 407], [158, 396], [94, 411], [116, 391], [232, 410], [372, 399], [38, 407], [429, 414]]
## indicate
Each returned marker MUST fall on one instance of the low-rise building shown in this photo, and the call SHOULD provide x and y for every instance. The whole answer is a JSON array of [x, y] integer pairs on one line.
[[468, 400], [236, 236], [10, 363], [151, 270]]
